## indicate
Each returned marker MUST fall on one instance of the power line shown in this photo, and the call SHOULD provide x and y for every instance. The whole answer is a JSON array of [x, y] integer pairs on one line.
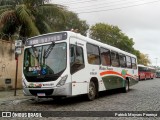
[[101, 3], [75, 2], [117, 8], [110, 5]]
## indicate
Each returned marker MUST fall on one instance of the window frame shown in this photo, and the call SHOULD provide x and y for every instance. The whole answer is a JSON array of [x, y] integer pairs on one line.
[[99, 57], [109, 56], [134, 63], [116, 59], [128, 62], [120, 54], [83, 65]]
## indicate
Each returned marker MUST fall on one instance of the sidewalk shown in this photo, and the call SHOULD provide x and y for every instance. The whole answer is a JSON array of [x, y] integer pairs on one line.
[[9, 95]]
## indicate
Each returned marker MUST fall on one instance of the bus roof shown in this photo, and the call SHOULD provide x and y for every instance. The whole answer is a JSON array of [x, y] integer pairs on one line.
[[92, 41], [140, 65], [89, 40], [150, 67]]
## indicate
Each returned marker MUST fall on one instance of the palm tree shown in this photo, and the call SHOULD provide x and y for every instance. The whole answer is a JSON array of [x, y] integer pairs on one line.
[[29, 17]]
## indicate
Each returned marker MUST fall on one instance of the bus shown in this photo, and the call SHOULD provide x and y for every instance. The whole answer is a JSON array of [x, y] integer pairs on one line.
[[152, 71], [66, 64], [145, 72], [157, 73]]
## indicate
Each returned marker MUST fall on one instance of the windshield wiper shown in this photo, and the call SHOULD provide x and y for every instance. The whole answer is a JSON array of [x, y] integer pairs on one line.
[[48, 51]]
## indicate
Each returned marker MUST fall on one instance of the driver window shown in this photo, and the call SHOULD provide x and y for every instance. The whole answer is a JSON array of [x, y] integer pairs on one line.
[[76, 58]]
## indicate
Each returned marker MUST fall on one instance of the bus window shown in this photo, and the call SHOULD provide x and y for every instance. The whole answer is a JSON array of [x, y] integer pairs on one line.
[[93, 54], [128, 62], [105, 57], [115, 59], [122, 59], [134, 65], [76, 58]]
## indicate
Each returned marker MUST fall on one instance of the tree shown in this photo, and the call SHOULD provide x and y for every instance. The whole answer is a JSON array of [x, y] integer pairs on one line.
[[111, 35], [137, 53], [29, 17], [144, 60], [73, 22]]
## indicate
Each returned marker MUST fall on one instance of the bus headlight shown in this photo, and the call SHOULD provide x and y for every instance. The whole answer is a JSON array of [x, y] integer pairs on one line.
[[62, 81]]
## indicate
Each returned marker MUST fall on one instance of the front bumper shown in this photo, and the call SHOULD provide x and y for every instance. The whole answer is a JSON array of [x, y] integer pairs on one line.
[[64, 90]]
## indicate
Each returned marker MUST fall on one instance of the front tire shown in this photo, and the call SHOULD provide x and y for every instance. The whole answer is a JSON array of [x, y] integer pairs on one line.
[[92, 91]]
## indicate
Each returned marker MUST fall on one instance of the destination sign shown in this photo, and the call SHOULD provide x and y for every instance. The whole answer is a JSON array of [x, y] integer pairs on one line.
[[46, 38]]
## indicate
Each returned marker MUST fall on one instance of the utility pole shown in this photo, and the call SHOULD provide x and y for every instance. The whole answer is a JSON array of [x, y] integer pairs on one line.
[[18, 51], [156, 61], [15, 88]]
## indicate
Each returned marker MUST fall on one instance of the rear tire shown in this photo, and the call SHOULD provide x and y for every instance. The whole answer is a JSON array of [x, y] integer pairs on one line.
[[126, 88], [139, 78], [92, 91]]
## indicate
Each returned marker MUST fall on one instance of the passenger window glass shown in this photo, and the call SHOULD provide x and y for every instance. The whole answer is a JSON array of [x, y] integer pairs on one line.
[[105, 57], [128, 62], [93, 54], [114, 59], [122, 59], [134, 64]]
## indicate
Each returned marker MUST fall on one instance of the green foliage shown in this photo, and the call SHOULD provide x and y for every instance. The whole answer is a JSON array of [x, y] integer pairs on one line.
[[73, 22], [137, 53], [29, 17], [144, 60], [111, 35]]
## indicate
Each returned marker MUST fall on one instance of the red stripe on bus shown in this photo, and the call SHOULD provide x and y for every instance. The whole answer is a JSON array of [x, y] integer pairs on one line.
[[114, 73], [110, 72]]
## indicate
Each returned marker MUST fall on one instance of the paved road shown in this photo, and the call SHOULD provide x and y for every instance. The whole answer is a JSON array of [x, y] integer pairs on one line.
[[142, 97]]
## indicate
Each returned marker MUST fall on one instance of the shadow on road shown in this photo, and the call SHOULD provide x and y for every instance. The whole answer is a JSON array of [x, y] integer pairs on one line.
[[74, 100]]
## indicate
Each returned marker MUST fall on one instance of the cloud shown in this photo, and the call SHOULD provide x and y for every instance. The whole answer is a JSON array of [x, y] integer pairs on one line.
[[142, 23]]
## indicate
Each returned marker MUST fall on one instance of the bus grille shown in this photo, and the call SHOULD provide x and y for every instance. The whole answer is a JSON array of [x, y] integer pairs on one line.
[[47, 92]]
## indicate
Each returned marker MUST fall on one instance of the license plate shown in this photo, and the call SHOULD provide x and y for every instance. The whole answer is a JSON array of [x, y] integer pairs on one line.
[[41, 94]]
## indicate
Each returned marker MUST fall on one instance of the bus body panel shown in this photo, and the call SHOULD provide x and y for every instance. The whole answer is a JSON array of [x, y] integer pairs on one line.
[[145, 72], [76, 83], [80, 78]]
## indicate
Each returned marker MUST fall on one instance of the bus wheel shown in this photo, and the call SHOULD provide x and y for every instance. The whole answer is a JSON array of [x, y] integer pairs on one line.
[[139, 78], [126, 88], [92, 91]]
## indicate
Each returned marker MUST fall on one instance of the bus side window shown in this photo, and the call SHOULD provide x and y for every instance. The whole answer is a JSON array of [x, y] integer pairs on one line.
[[93, 54], [129, 65], [122, 59], [76, 58], [115, 59], [105, 57], [134, 65], [72, 54]]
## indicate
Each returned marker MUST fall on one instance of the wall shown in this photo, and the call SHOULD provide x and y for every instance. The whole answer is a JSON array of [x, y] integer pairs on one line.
[[8, 66]]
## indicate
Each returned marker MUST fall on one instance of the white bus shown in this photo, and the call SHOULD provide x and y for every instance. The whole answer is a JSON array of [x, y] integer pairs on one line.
[[64, 64]]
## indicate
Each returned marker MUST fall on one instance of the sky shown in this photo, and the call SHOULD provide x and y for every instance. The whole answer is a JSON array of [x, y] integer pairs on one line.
[[138, 19]]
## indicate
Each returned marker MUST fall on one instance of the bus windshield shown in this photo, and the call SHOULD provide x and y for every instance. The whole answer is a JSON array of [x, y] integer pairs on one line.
[[38, 66]]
